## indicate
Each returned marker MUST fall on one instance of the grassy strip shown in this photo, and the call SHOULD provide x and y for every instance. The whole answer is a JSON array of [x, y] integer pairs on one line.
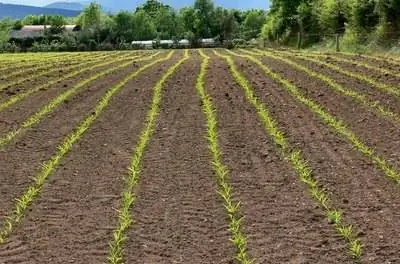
[[225, 190], [29, 195], [128, 196], [299, 164], [53, 104], [46, 70], [338, 125], [384, 87], [18, 97], [358, 97]]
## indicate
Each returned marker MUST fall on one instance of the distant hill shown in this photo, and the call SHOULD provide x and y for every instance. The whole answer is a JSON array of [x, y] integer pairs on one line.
[[21, 11], [66, 5]]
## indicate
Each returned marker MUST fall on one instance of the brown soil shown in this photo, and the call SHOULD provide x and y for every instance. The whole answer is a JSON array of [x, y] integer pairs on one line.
[[376, 75], [373, 93], [386, 64], [38, 143], [73, 219], [19, 112], [179, 216], [33, 82], [378, 132], [368, 199], [281, 220]]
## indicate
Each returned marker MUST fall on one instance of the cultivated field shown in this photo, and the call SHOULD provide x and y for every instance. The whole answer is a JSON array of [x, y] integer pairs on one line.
[[213, 156]]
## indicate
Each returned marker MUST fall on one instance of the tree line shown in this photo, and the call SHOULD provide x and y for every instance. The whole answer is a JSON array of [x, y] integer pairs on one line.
[[360, 23], [151, 21]]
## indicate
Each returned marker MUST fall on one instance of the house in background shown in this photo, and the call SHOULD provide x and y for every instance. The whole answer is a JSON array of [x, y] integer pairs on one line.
[[38, 31]]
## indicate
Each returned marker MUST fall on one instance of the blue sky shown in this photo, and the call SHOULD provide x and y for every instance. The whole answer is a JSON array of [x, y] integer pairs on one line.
[[230, 3]]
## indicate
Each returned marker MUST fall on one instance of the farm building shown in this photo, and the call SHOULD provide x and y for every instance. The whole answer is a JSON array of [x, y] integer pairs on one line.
[[143, 44], [37, 31]]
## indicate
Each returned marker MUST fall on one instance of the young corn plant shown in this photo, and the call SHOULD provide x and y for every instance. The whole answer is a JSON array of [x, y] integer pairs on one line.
[[128, 197], [392, 90], [56, 102], [336, 124], [356, 96], [294, 156], [23, 202], [21, 96], [238, 238]]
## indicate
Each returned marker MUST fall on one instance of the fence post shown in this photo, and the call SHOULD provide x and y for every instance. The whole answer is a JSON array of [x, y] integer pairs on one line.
[[299, 40], [337, 43]]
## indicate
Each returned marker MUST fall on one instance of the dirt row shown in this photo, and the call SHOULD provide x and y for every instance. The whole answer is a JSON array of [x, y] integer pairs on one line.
[[179, 217], [378, 132], [372, 92], [371, 73], [368, 199], [83, 177], [34, 82]]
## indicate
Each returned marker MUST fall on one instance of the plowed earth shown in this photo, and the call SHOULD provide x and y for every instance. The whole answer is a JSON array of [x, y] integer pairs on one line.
[[179, 217]]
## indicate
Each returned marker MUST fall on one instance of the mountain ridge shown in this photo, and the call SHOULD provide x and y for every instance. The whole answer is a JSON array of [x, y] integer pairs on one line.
[[21, 11]]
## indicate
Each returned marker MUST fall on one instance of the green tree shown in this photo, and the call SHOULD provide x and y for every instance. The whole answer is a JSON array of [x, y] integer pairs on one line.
[[143, 26], [205, 18], [253, 23], [123, 26]]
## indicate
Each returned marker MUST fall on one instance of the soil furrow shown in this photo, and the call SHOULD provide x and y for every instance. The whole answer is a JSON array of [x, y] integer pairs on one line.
[[366, 196], [73, 219], [377, 132], [281, 220], [15, 115], [23, 157], [372, 92], [179, 217]]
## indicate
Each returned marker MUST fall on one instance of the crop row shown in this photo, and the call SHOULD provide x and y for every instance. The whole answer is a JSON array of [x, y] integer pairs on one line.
[[336, 124], [356, 96], [382, 86], [29, 74], [225, 190], [128, 196], [107, 61], [354, 61], [53, 104], [299, 164], [29, 195], [18, 66]]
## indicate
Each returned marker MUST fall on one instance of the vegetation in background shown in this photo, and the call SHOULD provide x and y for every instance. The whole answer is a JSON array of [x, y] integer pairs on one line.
[[151, 21], [361, 24]]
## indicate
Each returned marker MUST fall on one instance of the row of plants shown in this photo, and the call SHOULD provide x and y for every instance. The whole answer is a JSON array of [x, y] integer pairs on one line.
[[56, 102], [102, 62], [225, 191], [299, 164], [22, 70], [28, 74], [28, 61], [358, 97], [128, 196], [24, 201], [353, 63], [336, 124], [390, 89]]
